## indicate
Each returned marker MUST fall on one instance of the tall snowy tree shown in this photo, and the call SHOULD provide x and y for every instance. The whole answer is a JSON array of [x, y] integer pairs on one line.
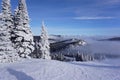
[[7, 15], [23, 38], [44, 43], [7, 51]]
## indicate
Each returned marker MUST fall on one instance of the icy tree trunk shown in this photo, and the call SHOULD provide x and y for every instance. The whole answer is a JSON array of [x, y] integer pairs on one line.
[[7, 51], [23, 38], [44, 44]]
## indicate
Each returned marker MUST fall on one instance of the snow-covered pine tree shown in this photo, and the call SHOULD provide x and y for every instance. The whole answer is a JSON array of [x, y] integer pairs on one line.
[[6, 13], [44, 43], [7, 51], [23, 38]]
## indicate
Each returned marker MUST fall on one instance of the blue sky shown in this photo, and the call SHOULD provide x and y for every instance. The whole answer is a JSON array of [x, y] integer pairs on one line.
[[74, 17]]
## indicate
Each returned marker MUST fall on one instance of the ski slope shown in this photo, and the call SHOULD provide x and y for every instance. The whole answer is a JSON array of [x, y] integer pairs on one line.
[[38, 69]]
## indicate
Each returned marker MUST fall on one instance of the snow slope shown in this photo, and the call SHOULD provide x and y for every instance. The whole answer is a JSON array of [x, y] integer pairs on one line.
[[54, 70]]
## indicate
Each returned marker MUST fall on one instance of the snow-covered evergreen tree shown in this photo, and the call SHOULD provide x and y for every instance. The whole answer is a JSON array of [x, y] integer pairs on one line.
[[6, 12], [44, 43], [7, 51], [7, 15], [23, 38]]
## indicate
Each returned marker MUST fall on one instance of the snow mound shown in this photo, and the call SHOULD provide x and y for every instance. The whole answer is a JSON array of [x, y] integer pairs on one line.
[[54, 70]]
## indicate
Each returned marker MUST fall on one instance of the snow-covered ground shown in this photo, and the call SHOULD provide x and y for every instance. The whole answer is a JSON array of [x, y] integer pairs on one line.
[[37, 69]]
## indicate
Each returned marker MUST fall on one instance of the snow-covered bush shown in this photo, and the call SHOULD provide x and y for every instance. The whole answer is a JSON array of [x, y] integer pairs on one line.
[[23, 38]]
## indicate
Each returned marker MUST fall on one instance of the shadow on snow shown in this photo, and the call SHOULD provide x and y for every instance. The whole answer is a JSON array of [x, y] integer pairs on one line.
[[19, 75]]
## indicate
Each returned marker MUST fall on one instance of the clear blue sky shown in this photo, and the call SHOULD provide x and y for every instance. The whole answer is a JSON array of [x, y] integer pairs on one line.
[[74, 17]]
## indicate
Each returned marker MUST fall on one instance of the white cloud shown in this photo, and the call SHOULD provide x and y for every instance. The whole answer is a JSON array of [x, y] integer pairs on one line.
[[92, 18], [108, 2], [113, 1]]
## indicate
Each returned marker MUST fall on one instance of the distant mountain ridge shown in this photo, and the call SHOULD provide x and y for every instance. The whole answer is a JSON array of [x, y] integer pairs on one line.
[[111, 39], [60, 44]]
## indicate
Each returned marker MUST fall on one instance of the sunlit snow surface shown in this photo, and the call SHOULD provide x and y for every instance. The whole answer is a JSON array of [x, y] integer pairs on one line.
[[37, 69]]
